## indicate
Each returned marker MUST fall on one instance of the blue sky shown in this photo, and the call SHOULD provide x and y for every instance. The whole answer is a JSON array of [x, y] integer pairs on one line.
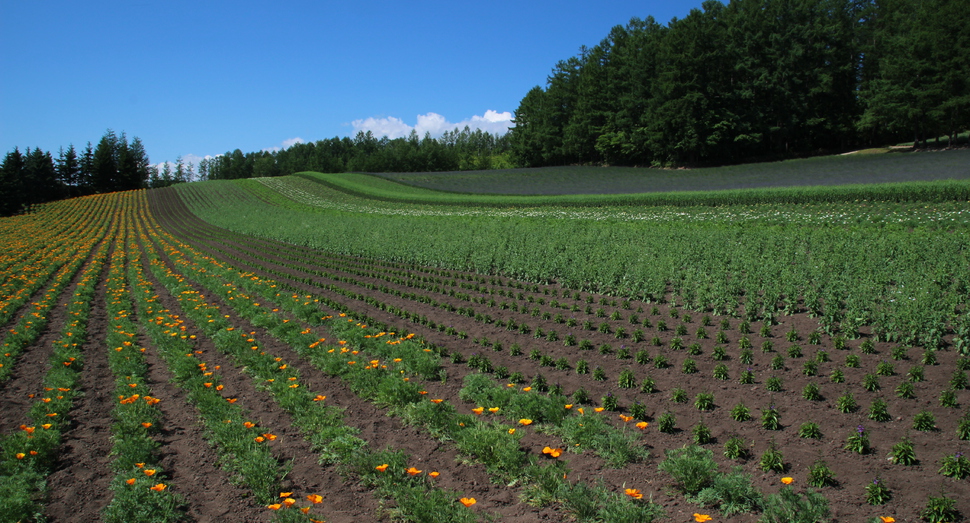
[[202, 78]]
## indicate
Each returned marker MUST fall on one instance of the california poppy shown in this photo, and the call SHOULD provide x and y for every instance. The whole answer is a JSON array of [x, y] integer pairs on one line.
[[382, 468], [787, 481], [701, 518], [315, 498], [434, 474], [413, 471], [160, 487], [468, 501], [633, 493], [642, 425], [552, 452], [478, 410], [436, 401], [525, 421]]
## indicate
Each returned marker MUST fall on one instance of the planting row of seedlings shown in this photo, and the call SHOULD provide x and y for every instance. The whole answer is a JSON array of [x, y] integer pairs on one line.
[[472, 438], [861, 349], [44, 246], [30, 454], [53, 275], [413, 494], [561, 400]]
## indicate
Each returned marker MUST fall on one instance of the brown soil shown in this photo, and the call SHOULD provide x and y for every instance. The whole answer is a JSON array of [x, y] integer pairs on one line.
[[852, 471]]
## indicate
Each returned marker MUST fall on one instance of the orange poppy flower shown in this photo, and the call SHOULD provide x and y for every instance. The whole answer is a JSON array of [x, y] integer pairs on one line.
[[146, 424], [319, 398], [159, 487], [525, 421], [285, 494], [598, 409], [274, 506], [434, 474], [633, 493], [887, 519], [552, 452], [20, 455], [642, 425], [382, 468], [149, 472], [478, 410], [249, 424], [289, 502], [130, 481], [625, 418], [526, 389], [315, 498], [413, 471], [569, 406], [232, 400], [468, 501], [787, 481], [259, 439], [511, 431], [493, 410], [269, 436], [701, 518], [436, 401]]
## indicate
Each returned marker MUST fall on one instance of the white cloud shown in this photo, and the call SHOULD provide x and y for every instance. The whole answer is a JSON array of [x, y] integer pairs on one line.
[[285, 144], [492, 122]]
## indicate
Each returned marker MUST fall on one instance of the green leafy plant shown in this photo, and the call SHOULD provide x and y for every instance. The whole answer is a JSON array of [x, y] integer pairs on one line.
[[772, 460], [906, 390], [778, 362], [721, 372], [870, 382], [736, 448], [884, 368], [771, 418], [747, 377], [915, 374], [955, 466], [810, 430], [948, 399], [787, 506], [837, 376], [820, 475], [846, 403], [689, 366], [740, 412], [731, 493], [648, 386], [666, 422], [609, 402], [702, 434], [852, 361], [660, 362], [924, 421], [794, 352], [811, 392], [940, 510], [627, 380], [678, 395], [877, 493], [902, 453], [704, 401], [773, 384], [858, 441], [963, 427], [692, 467], [879, 411], [599, 374]]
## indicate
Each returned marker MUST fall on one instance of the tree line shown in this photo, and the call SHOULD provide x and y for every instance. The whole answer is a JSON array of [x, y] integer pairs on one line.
[[754, 79], [35, 176], [455, 150]]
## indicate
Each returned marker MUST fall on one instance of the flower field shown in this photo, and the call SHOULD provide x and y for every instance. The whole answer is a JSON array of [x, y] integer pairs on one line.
[[279, 350]]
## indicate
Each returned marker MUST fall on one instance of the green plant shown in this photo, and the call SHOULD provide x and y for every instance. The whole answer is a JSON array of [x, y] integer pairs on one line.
[[736, 448], [694, 349], [771, 418], [660, 362], [678, 395], [515, 350], [778, 362], [704, 401], [692, 468], [648, 386], [666, 422], [884, 368], [721, 337], [959, 380], [948, 399], [581, 396], [702, 434], [582, 367], [721, 372], [879, 410], [858, 441], [794, 351], [867, 347], [773, 384], [605, 349], [852, 361], [924, 421], [599, 374], [963, 427], [627, 380], [906, 390], [900, 353], [846, 403], [731, 493], [642, 357], [940, 510], [955, 466], [772, 460], [719, 353], [792, 335], [689, 366], [810, 430], [877, 493], [767, 346], [870, 382], [815, 337], [928, 357], [638, 411], [915, 374], [747, 377], [810, 368], [746, 356], [609, 402], [820, 475], [837, 376], [787, 506], [811, 392], [902, 453], [821, 356], [740, 412]]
